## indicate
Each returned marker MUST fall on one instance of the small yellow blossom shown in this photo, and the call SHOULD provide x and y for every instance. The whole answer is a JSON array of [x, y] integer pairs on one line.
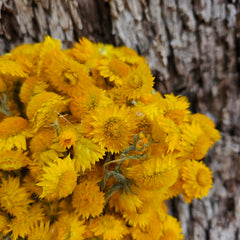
[[88, 200], [59, 179], [109, 227], [13, 160], [69, 226], [14, 198], [171, 229], [197, 179]]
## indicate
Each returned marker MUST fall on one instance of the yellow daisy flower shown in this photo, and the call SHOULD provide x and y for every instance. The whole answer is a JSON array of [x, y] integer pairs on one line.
[[114, 69], [13, 160], [165, 128], [25, 55], [68, 136], [85, 104], [171, 229], [88, 200], [44, 108], [42, 231], [113, 128], [85, 50], [155, 172], [86, 153], [43, 140], [194, 141], [141, 217], [65, 74], [21, 226], [31, 86], [108, 227], [59, 179], [197, 179], [11, 70], [69, 227], [125, 201], [207, 125], [175, 108], [14, 198], [138, 82], [127, 55], [12, 133], [152, 231]]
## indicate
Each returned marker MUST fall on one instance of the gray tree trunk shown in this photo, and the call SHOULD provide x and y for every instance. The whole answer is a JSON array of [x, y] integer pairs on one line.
[[193, 49]]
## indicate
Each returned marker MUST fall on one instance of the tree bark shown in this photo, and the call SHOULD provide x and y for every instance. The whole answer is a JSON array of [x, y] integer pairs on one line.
[[193, 49]]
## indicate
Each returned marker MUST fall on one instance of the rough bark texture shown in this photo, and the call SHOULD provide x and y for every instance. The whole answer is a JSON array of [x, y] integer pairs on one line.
[[193, 49]]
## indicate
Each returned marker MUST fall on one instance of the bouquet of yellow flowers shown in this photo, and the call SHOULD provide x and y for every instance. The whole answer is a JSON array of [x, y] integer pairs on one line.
[[89, 150]]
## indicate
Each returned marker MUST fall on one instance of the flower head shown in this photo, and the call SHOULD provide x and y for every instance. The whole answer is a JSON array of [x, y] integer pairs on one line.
[[59, 179], [12, 133], [44, 108], [108, 227], [171, 229], [115, 70], [13, 160], [69, 226], [14, 198], [113, 128], [197, 179], [88, 200]]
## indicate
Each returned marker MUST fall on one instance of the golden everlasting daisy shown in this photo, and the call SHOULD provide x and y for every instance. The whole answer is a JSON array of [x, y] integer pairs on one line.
[[59, 179], [69, 226], [68, 136], [109, 227], [175, 108], [171, 229], [125, 201], [14, 198], [114, 69], [141, 217], [85, 104], [197, 179], [31, 86], [86, 153], [13, 160], [155, 172], [21, 226], [113, 128], [194, 141], [207, 125], [42, 230], [11, 70], [42, 140], [65, 73], [138, 82], [152, 231], [88, 200], [85, 51], [43, 108], [12, 133]]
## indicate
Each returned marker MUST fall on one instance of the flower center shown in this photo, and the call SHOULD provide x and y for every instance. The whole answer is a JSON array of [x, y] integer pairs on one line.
[[113, 128], [136, 81]]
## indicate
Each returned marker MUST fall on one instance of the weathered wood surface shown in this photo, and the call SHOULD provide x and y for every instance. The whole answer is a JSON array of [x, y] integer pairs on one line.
[[193, 49]]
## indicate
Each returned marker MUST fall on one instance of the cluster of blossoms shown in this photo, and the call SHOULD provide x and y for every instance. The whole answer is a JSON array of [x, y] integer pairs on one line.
[[89, 150]]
